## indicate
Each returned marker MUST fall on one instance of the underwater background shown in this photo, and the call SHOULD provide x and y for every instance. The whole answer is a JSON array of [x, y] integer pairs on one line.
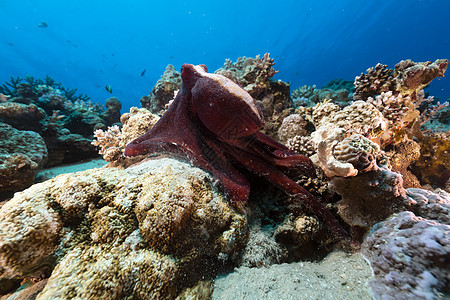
[[127, 45], [310, 161]]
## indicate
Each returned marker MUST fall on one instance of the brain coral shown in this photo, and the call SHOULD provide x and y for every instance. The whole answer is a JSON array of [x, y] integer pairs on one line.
[[359, 117], [141, 233]]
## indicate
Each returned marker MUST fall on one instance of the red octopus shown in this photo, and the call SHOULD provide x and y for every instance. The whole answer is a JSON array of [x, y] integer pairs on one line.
[[214, 123]]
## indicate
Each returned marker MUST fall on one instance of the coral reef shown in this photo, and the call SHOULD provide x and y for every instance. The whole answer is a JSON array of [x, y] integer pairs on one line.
[[22, 116], [109, 143], [214, 123], [433, 165], [161, 228], [112, 113], [360, 117], [65, 120], [342, 156], [252, 74], [401, 156], [163, 91], [148, 231], [369, 197], [407, 79], [22, 154], [339, 91], [30, 87]]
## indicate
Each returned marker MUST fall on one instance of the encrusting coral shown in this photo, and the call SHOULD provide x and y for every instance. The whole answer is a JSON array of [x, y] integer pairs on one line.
[[147, 238]]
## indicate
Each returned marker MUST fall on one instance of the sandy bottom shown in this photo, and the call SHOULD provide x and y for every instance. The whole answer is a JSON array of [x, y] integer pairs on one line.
[[46, 174], [339, 276]]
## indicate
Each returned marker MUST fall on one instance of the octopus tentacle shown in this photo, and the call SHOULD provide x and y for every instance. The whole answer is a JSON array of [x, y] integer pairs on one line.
[[277, 178]]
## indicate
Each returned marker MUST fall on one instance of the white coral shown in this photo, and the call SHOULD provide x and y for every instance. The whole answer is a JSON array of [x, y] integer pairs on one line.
[[107, 139]]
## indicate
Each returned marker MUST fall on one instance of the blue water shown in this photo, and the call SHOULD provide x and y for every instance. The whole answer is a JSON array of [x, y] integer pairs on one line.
[[89, 44]]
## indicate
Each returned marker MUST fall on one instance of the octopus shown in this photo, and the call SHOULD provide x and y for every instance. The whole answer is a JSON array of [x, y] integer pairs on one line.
[[216, 124]]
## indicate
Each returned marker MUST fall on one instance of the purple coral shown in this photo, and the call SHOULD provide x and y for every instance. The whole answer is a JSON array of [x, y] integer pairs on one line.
[[410, 258]]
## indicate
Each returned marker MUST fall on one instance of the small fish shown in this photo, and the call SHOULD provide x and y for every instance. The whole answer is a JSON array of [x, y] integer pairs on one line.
[[43, 25], [143, 72], [108, 88], [72, 44], [11, 44]]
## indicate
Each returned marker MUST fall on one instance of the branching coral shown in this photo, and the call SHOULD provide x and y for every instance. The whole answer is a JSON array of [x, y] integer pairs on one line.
[[109, 142], [33, 88], [112, 142], [301, 144], [377, 80]]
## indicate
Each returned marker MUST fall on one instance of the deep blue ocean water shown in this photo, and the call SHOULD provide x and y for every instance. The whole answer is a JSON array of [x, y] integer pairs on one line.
[[89, 44]]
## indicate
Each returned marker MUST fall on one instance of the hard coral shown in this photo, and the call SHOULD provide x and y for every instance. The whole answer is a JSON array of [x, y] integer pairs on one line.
[[112, 113], [252, 74], [433, 165], [360, 117], [409, 257], [113, 141], [108, 141], [292, 125], [377, 80], [411, 77], [163, 91], [22, 116], [342, 156], [118, 233], [369, 197], [401, 156]]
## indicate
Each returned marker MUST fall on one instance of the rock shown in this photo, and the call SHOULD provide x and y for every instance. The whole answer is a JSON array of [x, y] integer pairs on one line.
[[148, 231], [409, 256], [22, 116], [22, 154]]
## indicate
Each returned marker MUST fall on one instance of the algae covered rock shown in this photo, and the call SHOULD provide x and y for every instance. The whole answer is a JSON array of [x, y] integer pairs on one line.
[[142, 233]]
